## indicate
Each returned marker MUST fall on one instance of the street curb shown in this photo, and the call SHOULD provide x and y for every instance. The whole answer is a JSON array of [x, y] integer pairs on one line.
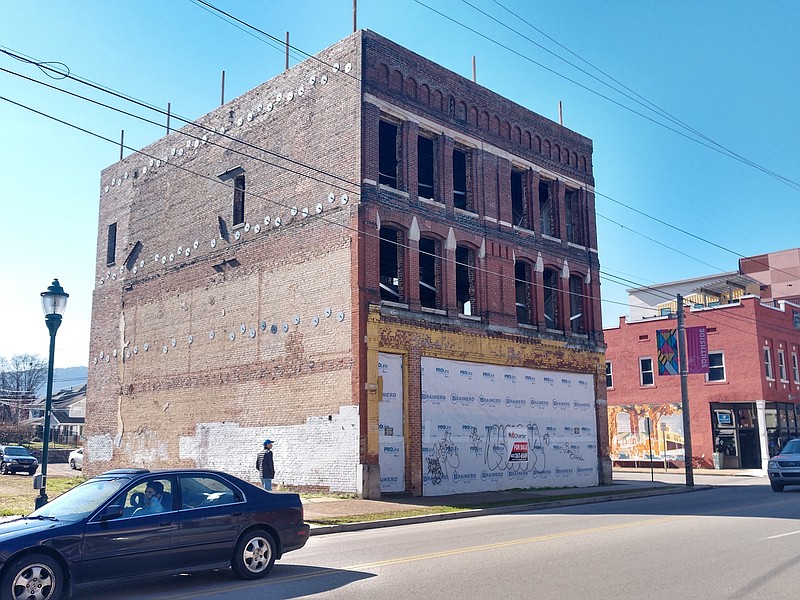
[[499, 510]]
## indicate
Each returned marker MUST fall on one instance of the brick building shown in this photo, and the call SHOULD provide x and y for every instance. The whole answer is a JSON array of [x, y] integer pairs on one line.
[[386, 268], [746, 406]]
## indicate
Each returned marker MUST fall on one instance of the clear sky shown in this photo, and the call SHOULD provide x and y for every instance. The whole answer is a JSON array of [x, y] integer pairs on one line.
[[726, 69]]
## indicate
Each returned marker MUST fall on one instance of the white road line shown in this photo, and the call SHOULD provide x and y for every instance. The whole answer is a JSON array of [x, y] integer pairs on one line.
[[774, 537]]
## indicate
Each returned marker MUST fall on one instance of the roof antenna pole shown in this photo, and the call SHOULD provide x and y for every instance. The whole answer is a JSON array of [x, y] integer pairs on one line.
[[169, 111], [222, 90], [474, 70], [287, 52], [121, 143], [355, 13], [560, 114]]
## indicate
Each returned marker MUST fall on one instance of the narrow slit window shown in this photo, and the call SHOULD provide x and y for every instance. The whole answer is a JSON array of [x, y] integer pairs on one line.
[[576, 304], [716, 367], [111, 244], [425, 171], [387, 154], [522, 288], [465, 281], [550, 282], [391, 265], [609, 375], [460, 196], [646, 372], [238, 200], [572, 208], [547, 211], [519, 207], [768, 364], [429, 273]]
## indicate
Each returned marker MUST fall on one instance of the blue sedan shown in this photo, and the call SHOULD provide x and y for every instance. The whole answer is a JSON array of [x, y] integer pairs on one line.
[[130, 523]]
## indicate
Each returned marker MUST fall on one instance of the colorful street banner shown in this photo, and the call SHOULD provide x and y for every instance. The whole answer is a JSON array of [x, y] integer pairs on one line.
[[667, 346], [697, 349]]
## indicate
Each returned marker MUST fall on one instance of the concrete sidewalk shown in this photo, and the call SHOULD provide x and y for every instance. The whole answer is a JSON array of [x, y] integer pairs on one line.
[[391, 511]]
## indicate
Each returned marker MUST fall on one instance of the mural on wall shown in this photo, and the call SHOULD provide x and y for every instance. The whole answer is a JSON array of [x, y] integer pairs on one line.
[[489, 427], [390, 423], [627, 432]]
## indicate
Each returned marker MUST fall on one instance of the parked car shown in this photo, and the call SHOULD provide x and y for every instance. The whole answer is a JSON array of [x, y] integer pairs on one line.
[[134, 523], [76, 459], [15, 459], [784, 468]]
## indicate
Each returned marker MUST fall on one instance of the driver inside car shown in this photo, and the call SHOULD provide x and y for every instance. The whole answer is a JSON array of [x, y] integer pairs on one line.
[[153, 498]]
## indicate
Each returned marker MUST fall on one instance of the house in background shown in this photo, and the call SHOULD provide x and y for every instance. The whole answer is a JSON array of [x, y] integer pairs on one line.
[[747, 405], [67, 415], [386, 268]]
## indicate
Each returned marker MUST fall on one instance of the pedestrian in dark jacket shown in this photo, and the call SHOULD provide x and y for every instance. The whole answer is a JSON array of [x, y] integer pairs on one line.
[[265, 465]]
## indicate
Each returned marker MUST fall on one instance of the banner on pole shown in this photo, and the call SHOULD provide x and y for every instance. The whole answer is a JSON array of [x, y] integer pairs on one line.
[[667, 342], [697, 349]]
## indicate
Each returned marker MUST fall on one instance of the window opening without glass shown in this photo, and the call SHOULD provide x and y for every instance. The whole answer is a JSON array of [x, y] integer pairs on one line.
[[387, 154], [465, 280], [522, 287], [391, 265], [425, 167], [551, 316], [429, 273], [519, 207], [460, 197], [111, 244]]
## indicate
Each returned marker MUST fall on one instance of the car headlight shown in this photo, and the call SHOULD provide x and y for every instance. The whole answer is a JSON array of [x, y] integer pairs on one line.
[[773, 464]]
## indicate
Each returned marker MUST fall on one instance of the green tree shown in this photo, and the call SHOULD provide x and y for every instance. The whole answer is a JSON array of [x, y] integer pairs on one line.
[[20, 377]]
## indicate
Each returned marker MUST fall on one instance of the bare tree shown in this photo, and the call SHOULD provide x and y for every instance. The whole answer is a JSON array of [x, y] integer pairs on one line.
[[20, 377]]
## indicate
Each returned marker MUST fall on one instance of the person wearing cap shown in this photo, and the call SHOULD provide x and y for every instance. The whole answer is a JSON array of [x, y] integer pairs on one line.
[[265, 465]]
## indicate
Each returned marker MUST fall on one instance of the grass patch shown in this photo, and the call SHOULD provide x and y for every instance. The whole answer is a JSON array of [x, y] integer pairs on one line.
[[17, 496]]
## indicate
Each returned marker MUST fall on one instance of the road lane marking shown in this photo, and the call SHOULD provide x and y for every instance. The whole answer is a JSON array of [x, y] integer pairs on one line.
[[780, 535]]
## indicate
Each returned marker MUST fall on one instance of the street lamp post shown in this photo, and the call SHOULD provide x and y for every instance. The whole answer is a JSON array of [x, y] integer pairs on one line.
[[54, 303]]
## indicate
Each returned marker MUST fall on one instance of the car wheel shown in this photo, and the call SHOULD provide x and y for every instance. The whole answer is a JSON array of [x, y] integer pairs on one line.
[[72, 463], [33, 577], [32, 472], [254, 555], [4, 469], [776, 487]]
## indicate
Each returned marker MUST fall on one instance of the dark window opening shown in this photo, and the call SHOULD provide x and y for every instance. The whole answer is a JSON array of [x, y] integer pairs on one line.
[[429, 273], [460, 196], [519, 208], [609, 375], [547, 209], [550, 282], [576, 304], [391, 265], [572, 207], [522, 287], [465, 281], [425, 162], [646, 371], [387, 154], [111, 244], [238, 200], [716, 366]]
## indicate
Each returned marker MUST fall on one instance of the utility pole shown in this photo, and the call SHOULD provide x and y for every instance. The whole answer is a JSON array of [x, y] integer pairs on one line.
[[684, 369]]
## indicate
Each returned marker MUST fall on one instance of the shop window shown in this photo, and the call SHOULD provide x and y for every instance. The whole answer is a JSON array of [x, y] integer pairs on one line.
[[461, 197], [716, 366], [548, 211], [768, 363], [522, 287], [646, 372], [111, 244], [430, 273], [387, 153], [391, 265], [609, 375], [574, 213], [465, 281], [795, 368], [550, 282], [576, 304], [425, 167], [782, 366], [519, 205]]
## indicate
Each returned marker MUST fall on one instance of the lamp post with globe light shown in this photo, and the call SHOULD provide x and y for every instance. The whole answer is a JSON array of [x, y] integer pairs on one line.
[[54, 303]]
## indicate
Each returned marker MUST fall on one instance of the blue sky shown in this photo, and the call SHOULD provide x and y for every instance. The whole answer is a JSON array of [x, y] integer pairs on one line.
[[726, 69]]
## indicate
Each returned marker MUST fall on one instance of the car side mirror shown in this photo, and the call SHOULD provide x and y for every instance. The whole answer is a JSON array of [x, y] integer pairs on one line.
[[112, 511]]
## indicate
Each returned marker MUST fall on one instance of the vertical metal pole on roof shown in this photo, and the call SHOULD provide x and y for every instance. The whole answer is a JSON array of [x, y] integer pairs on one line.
[[222, 90], [560, 114], [355, 13], [121, 143], [287, 52], [687, 425], [169, 112], [474, 70]]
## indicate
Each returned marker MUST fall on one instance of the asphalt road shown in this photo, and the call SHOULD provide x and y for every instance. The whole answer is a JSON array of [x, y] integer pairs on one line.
[[738, 541]]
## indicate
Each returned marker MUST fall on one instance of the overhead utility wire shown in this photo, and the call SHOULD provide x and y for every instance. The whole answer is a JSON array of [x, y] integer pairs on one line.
[[644, 101], [699, 238], [789, 182]]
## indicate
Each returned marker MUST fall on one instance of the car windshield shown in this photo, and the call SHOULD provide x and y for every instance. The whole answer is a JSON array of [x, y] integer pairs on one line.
[[791, 447], [80, 501], [16, 451]]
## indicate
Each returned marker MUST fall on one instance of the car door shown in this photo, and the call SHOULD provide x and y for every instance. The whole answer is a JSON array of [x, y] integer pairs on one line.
[[211, 516], [136, 542]]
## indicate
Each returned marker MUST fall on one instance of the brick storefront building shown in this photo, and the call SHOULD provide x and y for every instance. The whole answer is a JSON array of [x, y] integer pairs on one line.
[[746, 406], [358, 259]]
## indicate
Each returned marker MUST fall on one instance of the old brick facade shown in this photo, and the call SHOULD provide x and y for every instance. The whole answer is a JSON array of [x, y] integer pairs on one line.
[[241, 259]]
